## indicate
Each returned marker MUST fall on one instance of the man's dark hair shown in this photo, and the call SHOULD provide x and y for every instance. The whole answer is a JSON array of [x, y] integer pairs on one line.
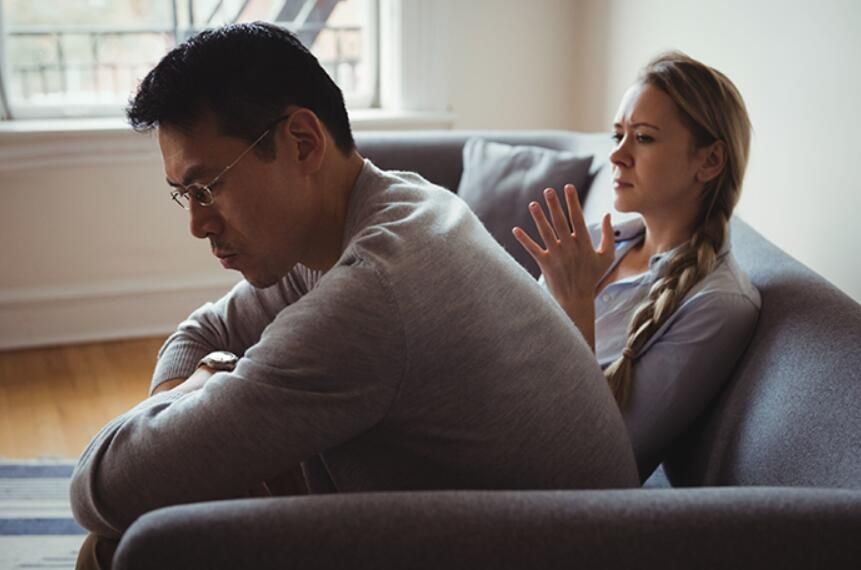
[[246, 74]]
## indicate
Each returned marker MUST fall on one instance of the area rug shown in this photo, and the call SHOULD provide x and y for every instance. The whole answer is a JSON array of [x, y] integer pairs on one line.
[[36, 525]]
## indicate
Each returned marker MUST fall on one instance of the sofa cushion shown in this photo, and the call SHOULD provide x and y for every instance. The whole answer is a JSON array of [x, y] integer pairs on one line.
[[500, 180]]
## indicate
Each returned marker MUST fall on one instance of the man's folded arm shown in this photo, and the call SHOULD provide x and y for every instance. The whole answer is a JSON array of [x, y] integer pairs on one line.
[[233, 323], [325, 371]]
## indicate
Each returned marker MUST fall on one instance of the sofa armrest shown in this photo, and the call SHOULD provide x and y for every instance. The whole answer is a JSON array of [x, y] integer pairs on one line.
[[680, 528]]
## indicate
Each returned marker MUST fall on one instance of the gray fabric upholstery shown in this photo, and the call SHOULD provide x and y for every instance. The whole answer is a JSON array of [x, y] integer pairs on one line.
[[790, 415], [785, 433], [667, 529], [499, 181], [438, 155]]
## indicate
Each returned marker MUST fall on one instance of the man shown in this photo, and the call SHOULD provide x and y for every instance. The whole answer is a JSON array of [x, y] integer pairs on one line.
[[380, 338]]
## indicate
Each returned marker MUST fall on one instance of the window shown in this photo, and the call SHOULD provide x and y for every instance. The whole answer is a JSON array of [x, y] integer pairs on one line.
[[63, 58]]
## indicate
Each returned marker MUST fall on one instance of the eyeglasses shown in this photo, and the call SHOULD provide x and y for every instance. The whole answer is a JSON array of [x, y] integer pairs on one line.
[[202, 193]]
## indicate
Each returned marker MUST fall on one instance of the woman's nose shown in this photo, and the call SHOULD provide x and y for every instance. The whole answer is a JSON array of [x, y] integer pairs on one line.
[[620, 156]]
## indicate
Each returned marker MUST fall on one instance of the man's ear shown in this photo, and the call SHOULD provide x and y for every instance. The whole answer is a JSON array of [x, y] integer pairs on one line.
[[713, 161], [307, 135]]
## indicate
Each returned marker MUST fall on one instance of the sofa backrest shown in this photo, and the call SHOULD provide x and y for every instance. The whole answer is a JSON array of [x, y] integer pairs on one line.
[[438, 155], [789, 415]]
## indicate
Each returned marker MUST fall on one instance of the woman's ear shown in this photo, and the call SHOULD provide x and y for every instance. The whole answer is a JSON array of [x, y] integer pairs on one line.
[[713, 161], [307, 135]]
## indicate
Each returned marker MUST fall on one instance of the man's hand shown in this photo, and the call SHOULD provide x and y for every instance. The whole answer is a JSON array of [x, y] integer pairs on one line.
[[570, 265], [194, 382], [167, 385]]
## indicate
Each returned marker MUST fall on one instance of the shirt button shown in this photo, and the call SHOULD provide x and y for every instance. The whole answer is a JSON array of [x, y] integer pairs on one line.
[[606, 298]]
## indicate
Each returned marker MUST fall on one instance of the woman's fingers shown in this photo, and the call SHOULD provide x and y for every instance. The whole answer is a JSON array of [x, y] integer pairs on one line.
[[607, 247], [544, 229], [557, 214], [575, 212], [528, 244]]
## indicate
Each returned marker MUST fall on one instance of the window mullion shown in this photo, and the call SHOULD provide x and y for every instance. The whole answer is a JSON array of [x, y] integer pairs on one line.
[[413, 55]]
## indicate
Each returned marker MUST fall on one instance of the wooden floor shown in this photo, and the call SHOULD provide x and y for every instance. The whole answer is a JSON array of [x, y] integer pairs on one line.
[[53, 400]]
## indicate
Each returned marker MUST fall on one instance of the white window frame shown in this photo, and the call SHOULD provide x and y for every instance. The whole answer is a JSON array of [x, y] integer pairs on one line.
[[413, 55], [413, 94], [4, 99], [365, 99]]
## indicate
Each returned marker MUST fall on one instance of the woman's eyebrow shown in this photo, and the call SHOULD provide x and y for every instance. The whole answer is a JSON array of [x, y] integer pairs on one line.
[[639, 124]]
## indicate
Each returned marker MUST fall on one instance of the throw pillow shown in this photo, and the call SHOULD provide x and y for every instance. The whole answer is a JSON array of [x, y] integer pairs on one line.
[[499, 181]]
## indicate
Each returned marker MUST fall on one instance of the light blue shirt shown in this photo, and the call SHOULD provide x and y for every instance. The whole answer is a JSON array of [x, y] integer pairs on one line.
[[685, 363]]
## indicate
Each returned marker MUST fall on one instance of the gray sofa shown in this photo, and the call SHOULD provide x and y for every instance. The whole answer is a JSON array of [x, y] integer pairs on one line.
[[769, 477]]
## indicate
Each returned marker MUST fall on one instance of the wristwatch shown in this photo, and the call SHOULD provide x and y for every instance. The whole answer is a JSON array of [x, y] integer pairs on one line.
[[219, 360]]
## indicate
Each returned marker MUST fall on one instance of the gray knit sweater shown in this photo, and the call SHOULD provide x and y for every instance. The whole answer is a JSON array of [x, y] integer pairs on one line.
[[426, 358]]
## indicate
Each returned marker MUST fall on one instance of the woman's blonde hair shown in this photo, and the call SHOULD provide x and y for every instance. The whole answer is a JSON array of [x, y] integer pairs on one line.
[[713, 110]]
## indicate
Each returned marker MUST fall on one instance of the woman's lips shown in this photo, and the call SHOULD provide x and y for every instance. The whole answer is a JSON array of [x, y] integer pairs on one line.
[[617, 184]]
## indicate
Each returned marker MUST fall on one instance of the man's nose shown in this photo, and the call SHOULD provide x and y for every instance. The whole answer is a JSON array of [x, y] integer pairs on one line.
[[203, 220]]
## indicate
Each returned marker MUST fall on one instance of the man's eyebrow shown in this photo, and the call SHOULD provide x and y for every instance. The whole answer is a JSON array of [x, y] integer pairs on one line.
[[640, 124], [192, 174]]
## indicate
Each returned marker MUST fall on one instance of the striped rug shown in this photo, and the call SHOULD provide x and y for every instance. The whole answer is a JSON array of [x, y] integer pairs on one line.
[[36, 526]]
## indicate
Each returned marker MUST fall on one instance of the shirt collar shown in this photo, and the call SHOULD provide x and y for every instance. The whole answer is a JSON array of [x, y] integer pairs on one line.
[[631, 232]]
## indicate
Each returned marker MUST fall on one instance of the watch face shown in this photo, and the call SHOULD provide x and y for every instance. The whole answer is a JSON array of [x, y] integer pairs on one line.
[[220, 360], [222, 357]]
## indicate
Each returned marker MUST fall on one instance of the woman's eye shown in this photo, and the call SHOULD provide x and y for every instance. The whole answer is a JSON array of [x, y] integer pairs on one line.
[[644, 139], [616, 137]]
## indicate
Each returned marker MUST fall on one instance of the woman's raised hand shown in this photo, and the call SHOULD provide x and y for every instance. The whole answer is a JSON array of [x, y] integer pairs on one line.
[[571, 267]]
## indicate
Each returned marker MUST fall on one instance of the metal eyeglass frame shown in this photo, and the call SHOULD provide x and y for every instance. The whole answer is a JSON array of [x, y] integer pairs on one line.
[[202, 193]]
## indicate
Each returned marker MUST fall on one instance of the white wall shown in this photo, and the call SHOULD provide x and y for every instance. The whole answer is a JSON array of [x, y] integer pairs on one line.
[[91, 247], [798, 65], [511, 64]]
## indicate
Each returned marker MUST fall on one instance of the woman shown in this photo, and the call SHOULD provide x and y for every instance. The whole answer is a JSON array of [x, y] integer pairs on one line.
[[661, 300]]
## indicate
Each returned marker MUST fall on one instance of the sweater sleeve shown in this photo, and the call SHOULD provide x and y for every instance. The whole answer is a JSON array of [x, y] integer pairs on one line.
[[324, 371], [233, 323], [682, 371]]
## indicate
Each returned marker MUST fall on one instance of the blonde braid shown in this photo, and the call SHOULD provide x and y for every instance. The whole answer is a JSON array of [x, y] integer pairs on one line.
[[689, 264]]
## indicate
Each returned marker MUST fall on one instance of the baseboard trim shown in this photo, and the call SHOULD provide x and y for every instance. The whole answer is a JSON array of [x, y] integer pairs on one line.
[[102, 311]]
